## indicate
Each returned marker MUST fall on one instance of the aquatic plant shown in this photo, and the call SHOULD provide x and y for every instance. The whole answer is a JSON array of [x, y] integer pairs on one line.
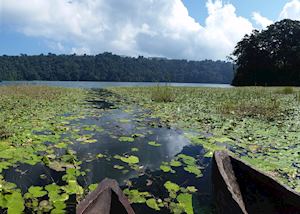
[[126, 139], [153, 143], [162, 94], [260, 123]]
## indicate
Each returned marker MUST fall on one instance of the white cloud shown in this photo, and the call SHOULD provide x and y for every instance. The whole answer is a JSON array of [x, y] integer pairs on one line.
[[260, 20], [141, 27], [291, 10]]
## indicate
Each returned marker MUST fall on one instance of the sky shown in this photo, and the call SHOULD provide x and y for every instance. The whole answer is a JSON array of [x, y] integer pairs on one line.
[[179, 29]]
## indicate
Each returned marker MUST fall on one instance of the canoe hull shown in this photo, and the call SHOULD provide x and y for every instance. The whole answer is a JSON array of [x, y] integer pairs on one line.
[[239, 188], [108, 198]]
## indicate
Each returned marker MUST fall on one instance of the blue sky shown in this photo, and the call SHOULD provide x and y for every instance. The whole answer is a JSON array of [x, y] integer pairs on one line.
[[133, 28], [269, 8]]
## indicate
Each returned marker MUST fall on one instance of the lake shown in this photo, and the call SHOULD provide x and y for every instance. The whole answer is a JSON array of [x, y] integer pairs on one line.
[[111, 139], [87, 84]]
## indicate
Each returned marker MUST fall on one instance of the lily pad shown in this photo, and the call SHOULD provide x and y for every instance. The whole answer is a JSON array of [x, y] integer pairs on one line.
[[126, 139], [15, 203], [153, 143], [135, 196], [131, 159], [152, 204], [37, 191], [185, 199], [171, 187], [193, 169], [166, 168], [118, 167]]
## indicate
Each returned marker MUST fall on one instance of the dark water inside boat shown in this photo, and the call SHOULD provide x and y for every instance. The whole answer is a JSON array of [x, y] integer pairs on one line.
[[113, 123]]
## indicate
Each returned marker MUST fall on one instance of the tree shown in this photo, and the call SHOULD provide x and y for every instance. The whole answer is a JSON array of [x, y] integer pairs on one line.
[[269, 57], [110, 67]]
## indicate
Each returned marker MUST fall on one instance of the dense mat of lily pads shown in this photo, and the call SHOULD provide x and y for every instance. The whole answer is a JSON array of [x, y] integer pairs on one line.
[[26, 111], [259, 125], [49, 150], [56, 144]]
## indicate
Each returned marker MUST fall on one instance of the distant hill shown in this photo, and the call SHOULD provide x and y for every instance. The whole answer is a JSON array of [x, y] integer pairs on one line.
[[110, 67]]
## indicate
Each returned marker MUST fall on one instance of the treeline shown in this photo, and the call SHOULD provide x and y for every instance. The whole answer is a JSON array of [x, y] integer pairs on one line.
[[110, 67], [269, 57]]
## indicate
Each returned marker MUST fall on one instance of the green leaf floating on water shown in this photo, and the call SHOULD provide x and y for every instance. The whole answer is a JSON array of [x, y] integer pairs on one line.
[[165, 168], [59, 207], [2, 201], [15, 203], [92, 187], [134, 149], [209, 144], [193, 169], [175, 163], [171, 187], [126, 139], [189, 160], [55, 193], [191, 189], [89, 141], [185, 199], [152, 204], [153, 143], [61, 145], [130, 159], [37, 191], [100, 155], [73, 188], [135, 196], [6, 186], [118, 167]]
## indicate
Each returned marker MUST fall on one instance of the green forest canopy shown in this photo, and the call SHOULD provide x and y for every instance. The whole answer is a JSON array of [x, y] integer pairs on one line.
[[110, 67], [269, 57]]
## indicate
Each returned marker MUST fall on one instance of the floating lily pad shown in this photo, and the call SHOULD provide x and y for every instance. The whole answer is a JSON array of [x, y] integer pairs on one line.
[[134, 149], [37, 191], [92, 187], [175, 163], [185, 199], [171, 187], [193, 169], [165, 168], [126, 139], [130, 159], [15, 203], [135, 196], [100, 155], [152, 204], [118, 167], [153, 143]]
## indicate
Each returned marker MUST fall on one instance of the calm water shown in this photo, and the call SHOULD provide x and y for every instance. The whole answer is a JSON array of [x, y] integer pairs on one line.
[[84, 84], [107, 123]]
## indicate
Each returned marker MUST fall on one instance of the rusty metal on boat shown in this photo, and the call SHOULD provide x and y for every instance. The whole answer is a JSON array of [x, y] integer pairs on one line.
[[108, 198], [239, 188]]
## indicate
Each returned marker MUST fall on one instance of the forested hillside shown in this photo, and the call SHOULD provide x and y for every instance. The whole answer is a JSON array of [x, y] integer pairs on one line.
[[269, 57], [109, 67]]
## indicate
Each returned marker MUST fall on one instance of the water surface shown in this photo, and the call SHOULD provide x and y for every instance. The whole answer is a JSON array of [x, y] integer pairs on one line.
[[87, 84], [106, 124]]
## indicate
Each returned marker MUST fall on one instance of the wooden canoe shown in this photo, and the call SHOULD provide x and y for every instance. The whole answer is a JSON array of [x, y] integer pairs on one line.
[[108, 198], [239, 188]]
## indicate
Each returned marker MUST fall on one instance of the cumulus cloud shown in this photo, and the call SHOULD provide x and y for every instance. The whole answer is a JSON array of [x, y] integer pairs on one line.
[[260, 20], [291, 10], [141, 27]]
